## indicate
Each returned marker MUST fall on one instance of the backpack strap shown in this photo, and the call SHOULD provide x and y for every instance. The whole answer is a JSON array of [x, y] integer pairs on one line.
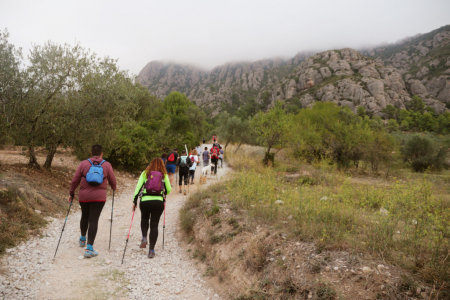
[[89, 160], [102, 162]]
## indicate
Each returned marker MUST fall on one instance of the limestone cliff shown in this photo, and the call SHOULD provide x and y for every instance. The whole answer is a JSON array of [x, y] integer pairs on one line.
[[372, 78]]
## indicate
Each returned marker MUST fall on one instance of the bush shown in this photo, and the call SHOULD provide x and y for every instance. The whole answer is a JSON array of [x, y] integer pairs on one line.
[[130, 148], [422, 154], [187, 220]]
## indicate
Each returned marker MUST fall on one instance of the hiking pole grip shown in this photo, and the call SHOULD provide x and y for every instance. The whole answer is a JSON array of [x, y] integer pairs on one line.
[[132, 217], [63, 229], [110, 230]]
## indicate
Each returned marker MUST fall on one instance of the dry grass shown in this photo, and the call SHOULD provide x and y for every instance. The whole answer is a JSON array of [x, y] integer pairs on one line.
[[403, 220]]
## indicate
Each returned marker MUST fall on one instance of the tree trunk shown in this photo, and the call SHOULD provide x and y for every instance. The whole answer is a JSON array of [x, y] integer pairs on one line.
[[235, 151], [50, 155], [33, 163]]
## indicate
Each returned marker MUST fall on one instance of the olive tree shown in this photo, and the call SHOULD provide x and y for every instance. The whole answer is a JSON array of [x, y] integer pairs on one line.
[[272, 130]]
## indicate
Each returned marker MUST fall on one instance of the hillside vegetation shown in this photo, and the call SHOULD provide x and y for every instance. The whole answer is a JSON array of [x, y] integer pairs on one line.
[[68, 97], [307, 229]]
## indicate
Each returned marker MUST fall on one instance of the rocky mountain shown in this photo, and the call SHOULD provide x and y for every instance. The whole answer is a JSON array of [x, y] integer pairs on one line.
[[223, 84], [372, 78], [161, 78], [423, 61]]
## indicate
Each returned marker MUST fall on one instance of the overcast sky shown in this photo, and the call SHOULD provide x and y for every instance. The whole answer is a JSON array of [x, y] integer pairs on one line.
[[209, 33]]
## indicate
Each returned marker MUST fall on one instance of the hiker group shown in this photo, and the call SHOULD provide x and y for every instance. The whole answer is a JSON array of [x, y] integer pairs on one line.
[[154, 184]]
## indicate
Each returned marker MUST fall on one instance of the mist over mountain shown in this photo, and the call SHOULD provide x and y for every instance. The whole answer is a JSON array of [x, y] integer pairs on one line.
[[371, 77]]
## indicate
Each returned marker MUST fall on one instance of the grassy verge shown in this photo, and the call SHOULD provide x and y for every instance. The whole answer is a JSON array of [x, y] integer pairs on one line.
[[26, 198], [17, 218], [404, 221]]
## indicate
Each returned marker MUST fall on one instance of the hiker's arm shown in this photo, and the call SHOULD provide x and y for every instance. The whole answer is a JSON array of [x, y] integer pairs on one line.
[[178, 162], [167, 184], [141, 182], [75, 182], [111, 178]]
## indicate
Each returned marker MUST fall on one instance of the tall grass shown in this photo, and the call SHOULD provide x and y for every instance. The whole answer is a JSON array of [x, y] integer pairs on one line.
[[406, 222], [17, 218]]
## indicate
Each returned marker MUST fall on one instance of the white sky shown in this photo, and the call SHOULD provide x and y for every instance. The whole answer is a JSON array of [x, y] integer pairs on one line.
[[210, 32]]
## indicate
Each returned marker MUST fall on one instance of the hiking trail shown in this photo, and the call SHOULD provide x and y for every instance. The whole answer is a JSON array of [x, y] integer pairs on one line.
[[31, 272]]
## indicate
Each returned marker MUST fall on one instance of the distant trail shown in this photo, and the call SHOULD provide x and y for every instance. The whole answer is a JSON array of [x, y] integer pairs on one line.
[[31, 274]]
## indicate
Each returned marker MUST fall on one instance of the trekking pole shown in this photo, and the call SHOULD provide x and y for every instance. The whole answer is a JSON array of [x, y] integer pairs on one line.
[[110, 230], [63, 228], [128, 236], [164, 223]]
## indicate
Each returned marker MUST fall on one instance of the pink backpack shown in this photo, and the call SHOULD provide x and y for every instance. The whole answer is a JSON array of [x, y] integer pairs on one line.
[[154, 186]]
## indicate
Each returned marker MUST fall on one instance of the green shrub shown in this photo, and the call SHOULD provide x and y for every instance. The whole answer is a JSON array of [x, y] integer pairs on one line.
[[187, 220], [214, 210], [422, 154]]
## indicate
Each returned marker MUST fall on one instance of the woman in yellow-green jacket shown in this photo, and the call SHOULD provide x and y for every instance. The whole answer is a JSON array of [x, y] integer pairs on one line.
[[155, 184]]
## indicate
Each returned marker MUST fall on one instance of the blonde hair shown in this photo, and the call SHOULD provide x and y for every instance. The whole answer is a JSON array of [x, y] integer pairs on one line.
[[194, 152]]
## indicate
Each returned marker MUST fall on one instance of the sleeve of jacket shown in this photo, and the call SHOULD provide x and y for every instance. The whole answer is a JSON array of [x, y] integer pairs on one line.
[[167, 184], [76, 180], [139, 185]]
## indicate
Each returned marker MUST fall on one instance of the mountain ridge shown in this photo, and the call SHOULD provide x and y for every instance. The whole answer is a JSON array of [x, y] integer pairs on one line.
[[384, 75]]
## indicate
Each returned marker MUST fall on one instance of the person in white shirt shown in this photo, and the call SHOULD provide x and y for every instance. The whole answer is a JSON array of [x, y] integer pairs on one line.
[[194, 158]]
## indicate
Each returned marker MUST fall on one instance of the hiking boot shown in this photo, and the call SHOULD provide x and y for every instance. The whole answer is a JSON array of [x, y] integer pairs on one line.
[[90, 253], [185, 192], [143, 243], [180, 191], [192, 182], [83, 241], [151, 253]]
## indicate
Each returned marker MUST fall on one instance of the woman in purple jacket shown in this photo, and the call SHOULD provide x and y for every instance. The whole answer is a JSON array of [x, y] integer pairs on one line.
[[92, 197]]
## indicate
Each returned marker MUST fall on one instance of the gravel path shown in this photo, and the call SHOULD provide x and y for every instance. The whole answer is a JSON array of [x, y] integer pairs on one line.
[[30, 272]]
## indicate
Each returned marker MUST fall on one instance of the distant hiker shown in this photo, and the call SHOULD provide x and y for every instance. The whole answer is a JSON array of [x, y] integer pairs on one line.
[[214, 139], [204, 141], [171, 164], [184, 163], [164, 158], [194, 159], [199, 150], [221, 156], [91, 174], [156, 184], [205, 157], [214, 158]]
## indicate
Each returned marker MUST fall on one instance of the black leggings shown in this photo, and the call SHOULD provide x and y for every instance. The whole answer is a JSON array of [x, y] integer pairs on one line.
[[185, 174], [153, 208], [90, 213], [214, 162], [191, 175]]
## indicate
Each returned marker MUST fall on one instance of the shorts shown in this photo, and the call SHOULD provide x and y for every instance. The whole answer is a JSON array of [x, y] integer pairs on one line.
[[170, 169]]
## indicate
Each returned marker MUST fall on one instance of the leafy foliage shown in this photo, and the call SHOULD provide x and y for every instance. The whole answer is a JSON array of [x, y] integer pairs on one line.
[[328, 132], [422, 153], [272, 130], [69, 97]]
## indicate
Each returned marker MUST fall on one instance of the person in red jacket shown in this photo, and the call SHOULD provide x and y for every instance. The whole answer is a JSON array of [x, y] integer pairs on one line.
[[92, 196]]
